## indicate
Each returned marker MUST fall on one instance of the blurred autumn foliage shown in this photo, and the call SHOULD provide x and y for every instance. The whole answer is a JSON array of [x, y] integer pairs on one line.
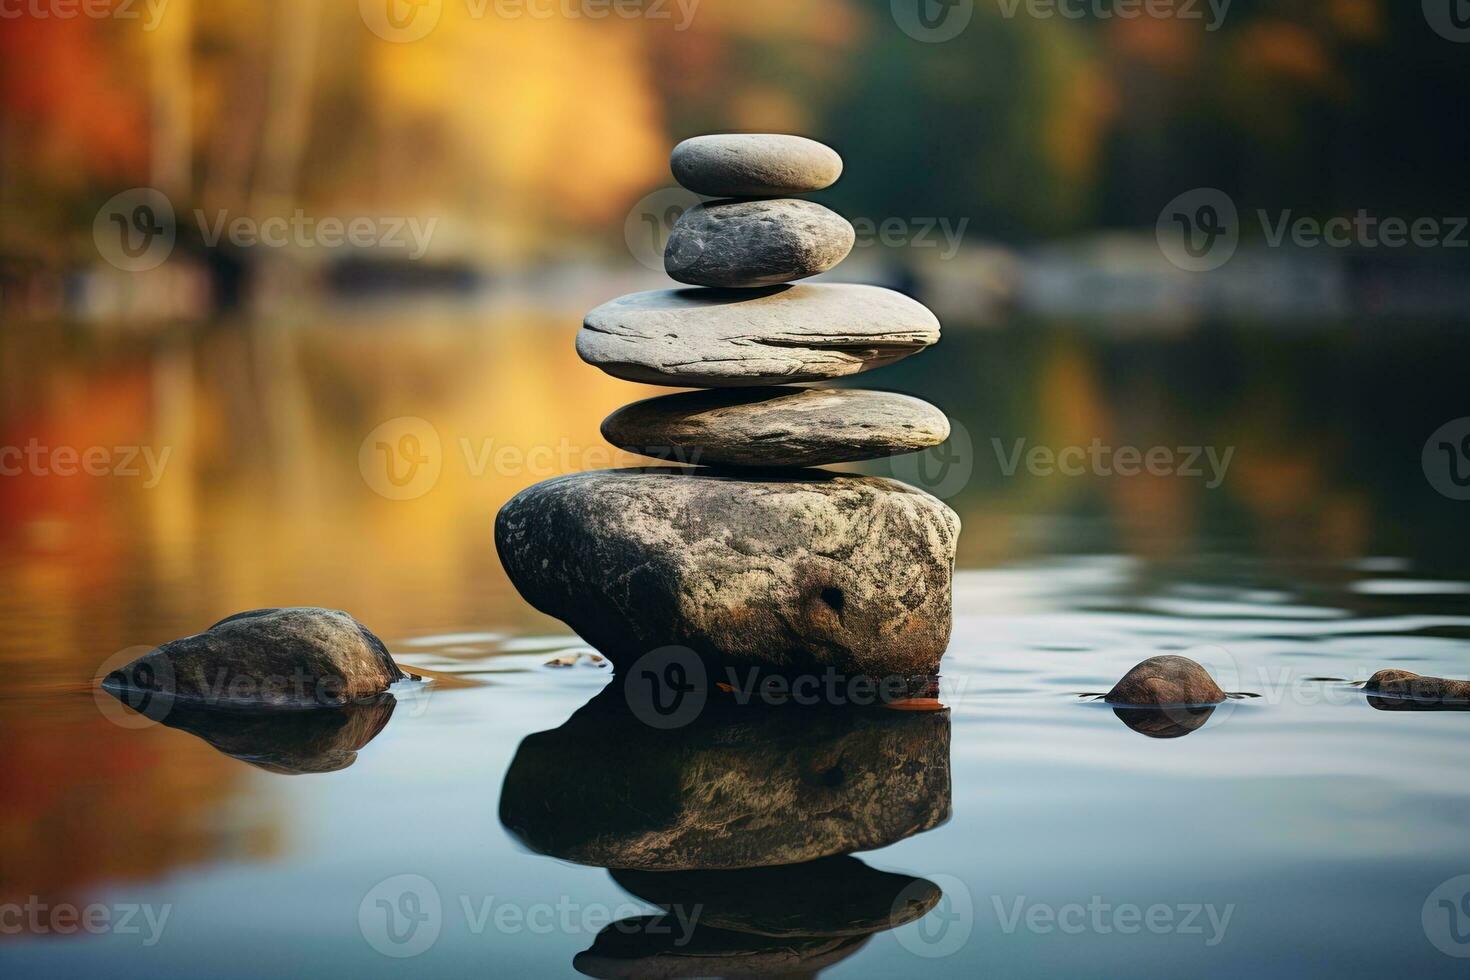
[[532, 135]]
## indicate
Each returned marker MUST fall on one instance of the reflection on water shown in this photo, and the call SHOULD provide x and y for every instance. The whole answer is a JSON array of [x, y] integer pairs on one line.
[[741, 787], [286, 742], [1324, 553], [1171, 722]]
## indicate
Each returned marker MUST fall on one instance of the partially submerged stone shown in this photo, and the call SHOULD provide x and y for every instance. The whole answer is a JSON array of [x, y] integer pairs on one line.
[[1415, 690], [741, 787], [713, 338], [1167, 680], [754, 165], [290, 658], [793, 571], [776, 426], [743, 244]]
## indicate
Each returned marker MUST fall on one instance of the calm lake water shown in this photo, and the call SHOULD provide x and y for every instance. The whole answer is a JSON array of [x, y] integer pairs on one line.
[[1027, 831]]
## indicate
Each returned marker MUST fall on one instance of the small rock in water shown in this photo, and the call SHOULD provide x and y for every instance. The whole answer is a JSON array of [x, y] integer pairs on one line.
[[299, 657], [741, 244], [1407, 684], [794, 571], [710, 338], [776, 426], [754, 165], [1166, 680]]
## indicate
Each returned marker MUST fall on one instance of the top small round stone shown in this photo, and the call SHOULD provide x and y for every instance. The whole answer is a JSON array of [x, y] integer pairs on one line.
[[754, 165]]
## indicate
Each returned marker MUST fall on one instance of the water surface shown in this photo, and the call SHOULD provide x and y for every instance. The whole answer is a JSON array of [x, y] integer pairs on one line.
[[1303, 830]]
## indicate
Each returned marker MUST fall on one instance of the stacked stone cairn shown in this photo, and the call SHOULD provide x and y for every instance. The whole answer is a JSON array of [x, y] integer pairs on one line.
[[750, 558]]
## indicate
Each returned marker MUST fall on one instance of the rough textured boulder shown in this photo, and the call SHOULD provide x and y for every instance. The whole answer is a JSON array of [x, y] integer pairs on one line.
[[776, 426], [739, 787], [837, 896], [296, 658], [712, 338], [754, 165], [1167, 680], [740, 244], [795, 572]]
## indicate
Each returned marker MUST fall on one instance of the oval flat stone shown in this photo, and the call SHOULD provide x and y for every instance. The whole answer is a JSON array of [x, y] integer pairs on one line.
[[709, 338], [756, 243], [793, 570], [754, 165], [776, 426]]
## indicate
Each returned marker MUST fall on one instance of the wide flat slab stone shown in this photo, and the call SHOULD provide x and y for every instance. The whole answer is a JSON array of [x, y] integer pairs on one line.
[[797, 571], [741, 244], [776, 426], [711, 338], [754, 165]]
